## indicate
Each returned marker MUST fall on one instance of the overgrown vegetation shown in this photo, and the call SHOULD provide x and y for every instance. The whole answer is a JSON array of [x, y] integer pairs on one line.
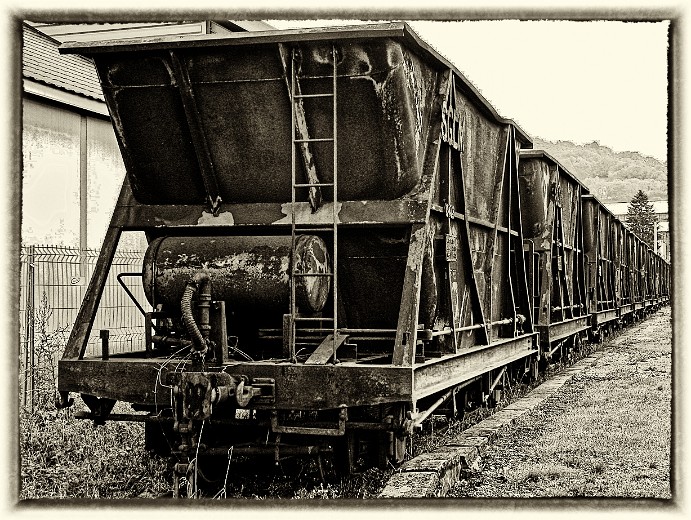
[[63, 457], [40, 367]]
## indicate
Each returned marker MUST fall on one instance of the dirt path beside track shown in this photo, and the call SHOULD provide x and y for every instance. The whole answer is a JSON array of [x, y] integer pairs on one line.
[[606, 433]]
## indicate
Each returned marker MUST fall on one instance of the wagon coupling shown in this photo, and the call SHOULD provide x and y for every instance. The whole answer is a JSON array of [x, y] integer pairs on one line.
[[199, 392]]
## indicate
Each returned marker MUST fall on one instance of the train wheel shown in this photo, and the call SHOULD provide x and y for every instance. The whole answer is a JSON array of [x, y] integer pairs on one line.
[[592, 336], [543, 364], [600, 335], [400, 448], [533, 370], [386, 448], [578, 344], [569, 350], [399, 440], [345, 457], [374, 448]]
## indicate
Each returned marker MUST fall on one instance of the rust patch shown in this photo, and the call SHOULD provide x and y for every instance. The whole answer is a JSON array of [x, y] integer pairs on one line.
[[416, 253], [224, 218], [304, 215]]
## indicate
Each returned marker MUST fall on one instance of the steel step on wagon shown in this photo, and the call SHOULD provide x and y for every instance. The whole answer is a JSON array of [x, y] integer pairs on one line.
[[335, 241]]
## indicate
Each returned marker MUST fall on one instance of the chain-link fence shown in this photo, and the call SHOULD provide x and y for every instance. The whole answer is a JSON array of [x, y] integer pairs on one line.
[[54, 280]]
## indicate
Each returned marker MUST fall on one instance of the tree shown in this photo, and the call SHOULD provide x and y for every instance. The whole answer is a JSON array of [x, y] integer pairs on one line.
[[641, 218]]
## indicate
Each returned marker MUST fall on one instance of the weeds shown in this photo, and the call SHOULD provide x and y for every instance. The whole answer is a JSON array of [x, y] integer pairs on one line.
[[62, 457], [40, 368], [546, 472]]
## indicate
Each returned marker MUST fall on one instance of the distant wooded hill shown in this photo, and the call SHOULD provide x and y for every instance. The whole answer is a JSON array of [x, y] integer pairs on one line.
[[611, 176]]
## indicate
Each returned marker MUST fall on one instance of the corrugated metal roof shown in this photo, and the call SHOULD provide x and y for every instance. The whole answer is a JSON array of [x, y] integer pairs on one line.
[[42, 62], [64, 32]]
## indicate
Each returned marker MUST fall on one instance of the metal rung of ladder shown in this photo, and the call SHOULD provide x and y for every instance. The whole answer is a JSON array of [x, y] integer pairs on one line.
[[302, 96], [315, 140], [313, 183]]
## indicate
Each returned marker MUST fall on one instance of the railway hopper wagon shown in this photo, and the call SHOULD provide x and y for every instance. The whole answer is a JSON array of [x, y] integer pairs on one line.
[[644, 276], [625, 278], [653, 279], [599, 226], [626, 288], [637, 253], [335, 243], [659, 279], [654, 275], [664, 277], [551, 201]]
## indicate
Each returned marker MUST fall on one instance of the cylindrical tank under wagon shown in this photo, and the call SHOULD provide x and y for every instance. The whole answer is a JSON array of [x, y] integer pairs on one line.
[[251, 272]]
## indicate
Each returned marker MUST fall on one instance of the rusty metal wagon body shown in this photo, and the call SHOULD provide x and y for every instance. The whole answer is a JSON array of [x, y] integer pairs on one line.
[[335, 237], [629, 291], [601, 255], [551, 203], [625, 278]]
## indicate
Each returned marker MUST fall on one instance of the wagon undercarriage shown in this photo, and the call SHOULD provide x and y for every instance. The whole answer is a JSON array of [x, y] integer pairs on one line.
[[336, 412]]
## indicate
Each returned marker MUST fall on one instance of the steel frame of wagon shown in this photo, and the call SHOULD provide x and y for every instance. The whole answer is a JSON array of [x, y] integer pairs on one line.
[[349, 384], [129, 378]]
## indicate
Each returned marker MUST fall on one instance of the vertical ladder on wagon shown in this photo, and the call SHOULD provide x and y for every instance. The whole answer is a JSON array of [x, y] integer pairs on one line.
[[326, 223]]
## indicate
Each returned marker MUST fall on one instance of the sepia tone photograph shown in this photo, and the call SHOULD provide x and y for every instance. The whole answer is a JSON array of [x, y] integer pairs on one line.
[[300, 258]]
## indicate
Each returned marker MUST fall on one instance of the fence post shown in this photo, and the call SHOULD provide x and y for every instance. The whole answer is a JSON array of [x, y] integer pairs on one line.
[[29, 359]]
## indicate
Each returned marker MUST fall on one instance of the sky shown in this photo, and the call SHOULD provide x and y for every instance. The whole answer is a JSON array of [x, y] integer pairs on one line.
[[587, 81]]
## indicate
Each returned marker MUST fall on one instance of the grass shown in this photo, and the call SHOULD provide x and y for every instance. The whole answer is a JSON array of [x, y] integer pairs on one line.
[[62, 457], [606, 434], [65, 458], [549, 471]]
